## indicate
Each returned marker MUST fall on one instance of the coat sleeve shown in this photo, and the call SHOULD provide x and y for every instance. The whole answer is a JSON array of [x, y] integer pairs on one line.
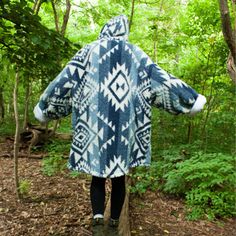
[[56, 101], [172, 94]]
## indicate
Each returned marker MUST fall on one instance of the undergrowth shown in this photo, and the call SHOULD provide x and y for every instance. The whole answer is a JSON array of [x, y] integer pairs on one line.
[[56, 160], [207, 181]]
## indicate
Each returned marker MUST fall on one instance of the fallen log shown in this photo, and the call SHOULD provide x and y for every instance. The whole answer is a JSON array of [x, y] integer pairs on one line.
[[32, 156], [124, 225], [24, 155], [36, 135], [63, 136]]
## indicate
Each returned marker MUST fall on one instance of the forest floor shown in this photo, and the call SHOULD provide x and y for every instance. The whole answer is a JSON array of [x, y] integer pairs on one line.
[[60, 206]]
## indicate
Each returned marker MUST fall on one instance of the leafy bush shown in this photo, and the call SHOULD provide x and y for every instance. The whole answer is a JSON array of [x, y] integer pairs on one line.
[[58, 146], [206, 180], [153, 177], [143, 180], [53, 164]]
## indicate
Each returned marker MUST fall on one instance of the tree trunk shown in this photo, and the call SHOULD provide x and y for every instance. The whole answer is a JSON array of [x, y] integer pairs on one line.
[[62, 32], [66, 17], [155, 51], [2, 110], [190, 131], [36, 7], [55, 126], [210, 104], [231, 68], [27, 97], [17, 136], [55, 16], [229, 33], [124, 225], [131, 15]]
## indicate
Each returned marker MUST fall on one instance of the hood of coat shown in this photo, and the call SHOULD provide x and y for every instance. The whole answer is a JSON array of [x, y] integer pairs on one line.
[[116, 27]]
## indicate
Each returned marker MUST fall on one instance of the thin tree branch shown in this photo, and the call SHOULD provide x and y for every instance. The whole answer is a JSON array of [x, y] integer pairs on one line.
[[131, 15], [17, 135], [66, 17], [37, 6], [55, 16]]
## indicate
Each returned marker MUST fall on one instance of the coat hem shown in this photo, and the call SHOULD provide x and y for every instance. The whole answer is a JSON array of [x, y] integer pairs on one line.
[[96, 174]]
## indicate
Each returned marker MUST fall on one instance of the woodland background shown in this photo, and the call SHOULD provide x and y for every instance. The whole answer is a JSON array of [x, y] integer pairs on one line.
[[193, 157]]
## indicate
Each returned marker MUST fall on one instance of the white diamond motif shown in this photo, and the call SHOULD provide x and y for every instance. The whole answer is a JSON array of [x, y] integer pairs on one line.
[[116, 87], [119, 86]]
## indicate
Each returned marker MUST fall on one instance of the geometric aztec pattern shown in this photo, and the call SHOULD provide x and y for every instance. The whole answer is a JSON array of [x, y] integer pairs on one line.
[[109, 87], [117, 87]]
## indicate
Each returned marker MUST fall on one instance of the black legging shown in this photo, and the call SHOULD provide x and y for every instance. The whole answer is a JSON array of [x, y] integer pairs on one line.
[[97, 194]]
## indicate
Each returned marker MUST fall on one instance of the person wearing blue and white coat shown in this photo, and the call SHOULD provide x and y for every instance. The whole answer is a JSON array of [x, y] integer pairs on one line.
[[109, 86]]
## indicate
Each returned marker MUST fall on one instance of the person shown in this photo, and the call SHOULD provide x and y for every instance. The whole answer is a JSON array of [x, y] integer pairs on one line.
[[109, 86]]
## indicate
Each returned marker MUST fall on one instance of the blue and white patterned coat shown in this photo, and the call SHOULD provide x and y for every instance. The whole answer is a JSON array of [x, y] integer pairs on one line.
[[109, 87]]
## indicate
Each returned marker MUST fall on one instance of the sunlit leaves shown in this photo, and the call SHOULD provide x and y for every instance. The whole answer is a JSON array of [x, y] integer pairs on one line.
[[28, 43]]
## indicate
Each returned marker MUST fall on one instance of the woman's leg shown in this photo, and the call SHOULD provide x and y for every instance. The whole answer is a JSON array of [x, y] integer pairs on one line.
[[97, 195], [117, 196]]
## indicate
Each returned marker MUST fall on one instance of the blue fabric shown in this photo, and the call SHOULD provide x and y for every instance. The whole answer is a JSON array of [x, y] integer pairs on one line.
[[110, 86]]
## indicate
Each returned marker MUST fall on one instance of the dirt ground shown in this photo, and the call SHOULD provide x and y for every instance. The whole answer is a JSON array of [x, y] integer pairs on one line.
[[60, 206]]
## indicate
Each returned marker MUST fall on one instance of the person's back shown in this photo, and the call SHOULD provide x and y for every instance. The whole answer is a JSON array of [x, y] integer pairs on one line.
[[110, 86], [111, 107]]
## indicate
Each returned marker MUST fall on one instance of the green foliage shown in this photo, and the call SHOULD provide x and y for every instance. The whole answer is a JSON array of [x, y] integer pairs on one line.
[[53, 164], [28, 44], [24, 187], [144, 179], [7, 128], [206, 180], [58, 146], [75, 174], [185, 39], [65, 125]]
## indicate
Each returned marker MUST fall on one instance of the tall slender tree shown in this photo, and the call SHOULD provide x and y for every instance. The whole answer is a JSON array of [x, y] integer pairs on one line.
[[229, 32], [17, 134]]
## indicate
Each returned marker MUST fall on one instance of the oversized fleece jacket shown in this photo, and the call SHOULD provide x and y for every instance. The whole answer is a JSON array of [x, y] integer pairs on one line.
[[109, 86]]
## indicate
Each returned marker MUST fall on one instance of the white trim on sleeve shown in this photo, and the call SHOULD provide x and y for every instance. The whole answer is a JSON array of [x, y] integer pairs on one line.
[[198, 105], [38, 113]]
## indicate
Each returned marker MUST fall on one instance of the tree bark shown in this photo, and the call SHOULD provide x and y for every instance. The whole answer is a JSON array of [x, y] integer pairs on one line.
[[2, 109], [227, 30], [55, 16], [231, 68], [131, 15], [124, 226], [229, 33], [27, 98], [155, 51], [17, 135], [34, 135], [190, 131], [62, 32], [25, 155], [66, 17], [36, 7]]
